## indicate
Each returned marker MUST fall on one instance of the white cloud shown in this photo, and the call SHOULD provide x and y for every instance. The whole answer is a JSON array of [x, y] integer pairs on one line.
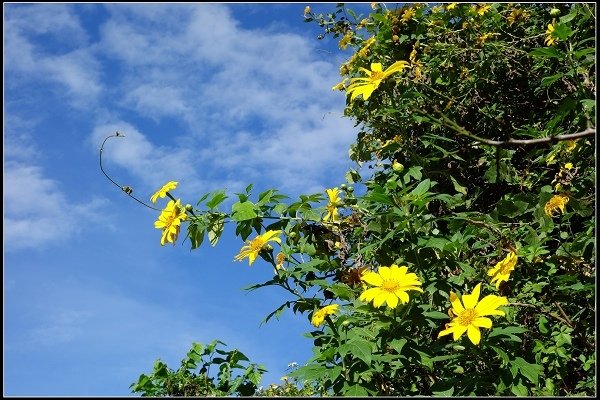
[[62, 57], [258, 103], [36, 212]]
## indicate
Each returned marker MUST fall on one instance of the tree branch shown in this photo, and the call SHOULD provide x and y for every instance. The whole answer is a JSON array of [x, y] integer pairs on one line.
[[510, 142]]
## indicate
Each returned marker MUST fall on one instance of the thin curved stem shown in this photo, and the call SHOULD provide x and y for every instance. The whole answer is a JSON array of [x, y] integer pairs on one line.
[[128, 190]]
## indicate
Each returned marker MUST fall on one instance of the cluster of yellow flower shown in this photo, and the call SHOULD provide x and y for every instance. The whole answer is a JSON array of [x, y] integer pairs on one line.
[[517, 14], [556, 203], [171, 216], [391, 285]]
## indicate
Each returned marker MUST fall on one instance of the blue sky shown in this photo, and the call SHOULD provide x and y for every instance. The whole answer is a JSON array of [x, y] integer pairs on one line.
[[215, 96]]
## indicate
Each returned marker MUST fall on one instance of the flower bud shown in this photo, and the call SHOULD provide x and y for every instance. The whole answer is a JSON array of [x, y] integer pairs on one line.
[[555, 12], [188, 207]]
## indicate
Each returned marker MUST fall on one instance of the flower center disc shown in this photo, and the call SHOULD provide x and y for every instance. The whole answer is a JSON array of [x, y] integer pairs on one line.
[[467, 316], [390, 285]]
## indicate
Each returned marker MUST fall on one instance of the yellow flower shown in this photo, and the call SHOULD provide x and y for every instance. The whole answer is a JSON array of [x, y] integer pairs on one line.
[[483, 38], [483, 8], [550, 39], [501, 271], [365, 47], [334, 200], [254, 246], [366, 86], [169, 221], [569, 165], [319, 316], [306, 10], [413, 55], [472, 316], [517, 14], [279, 261], [341, 85], [345, 40], [162, 192], [391, 283], [408, 14], [451, 6], [571, 145], [556, 203], [374, 6]]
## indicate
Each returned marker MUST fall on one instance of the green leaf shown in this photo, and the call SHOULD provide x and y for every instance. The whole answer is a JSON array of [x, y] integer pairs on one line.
[[549, 80], [569, 17], [342, 291], [435, 242], [458, 187], [421, 188], [562, 31], [435, 315], [358, 348], [309, 372], [414, 172], [502, 354], [546, 52], [588, 104], [215, 229], [519, 390], [378, 198], [444, 393], [398, 344], [354, 390], [217, 198], [276, 313], [243, 211], [529, 371]]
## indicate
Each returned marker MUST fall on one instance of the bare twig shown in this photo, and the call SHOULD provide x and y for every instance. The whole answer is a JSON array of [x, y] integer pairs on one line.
[[510, 142], [566, 321], [126, 189]]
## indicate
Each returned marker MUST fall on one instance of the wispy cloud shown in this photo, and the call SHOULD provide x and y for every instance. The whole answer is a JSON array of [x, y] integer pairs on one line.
[[36, 212], [66, 58], [258, 103]]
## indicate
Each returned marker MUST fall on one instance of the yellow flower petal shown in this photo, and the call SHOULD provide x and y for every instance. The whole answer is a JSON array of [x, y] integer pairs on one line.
[[474, 334], [391, 286]]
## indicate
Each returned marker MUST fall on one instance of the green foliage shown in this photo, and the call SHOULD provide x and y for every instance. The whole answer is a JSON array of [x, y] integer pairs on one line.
[[231, 374], [482, 147]]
